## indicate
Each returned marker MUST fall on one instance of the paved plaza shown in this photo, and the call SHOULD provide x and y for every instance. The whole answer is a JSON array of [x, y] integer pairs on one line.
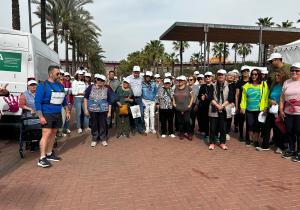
[[150, 173]]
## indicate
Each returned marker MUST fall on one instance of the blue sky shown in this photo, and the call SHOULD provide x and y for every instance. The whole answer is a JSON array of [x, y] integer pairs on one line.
[[129, 24]]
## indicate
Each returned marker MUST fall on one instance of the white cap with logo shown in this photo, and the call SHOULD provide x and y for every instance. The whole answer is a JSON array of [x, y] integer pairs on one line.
[[156, 76], [222, 71], [208, 73], [100, 76], [200, 76], [274, 56], [296, 65], [136, 69], [30, 82], [167, 80], [88, 74], [196, 73], [79, 72], [168, 74], [149, 73]]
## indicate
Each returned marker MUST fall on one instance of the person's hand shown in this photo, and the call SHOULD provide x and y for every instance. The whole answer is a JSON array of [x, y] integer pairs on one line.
[[43, 120], [282, 114], [109, 114], [32, 112], [189, 106], [203, 97], [219, 107], [196, 108], [242, 111], [86, 112], [157, 106], [68, 115], [273, 102], [119, 104]]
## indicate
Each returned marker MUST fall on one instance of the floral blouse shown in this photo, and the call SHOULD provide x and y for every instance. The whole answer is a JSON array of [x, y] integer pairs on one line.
[[164, 98]]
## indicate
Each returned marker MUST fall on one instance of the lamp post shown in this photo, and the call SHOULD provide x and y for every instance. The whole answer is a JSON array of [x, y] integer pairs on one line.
[[29, 16]]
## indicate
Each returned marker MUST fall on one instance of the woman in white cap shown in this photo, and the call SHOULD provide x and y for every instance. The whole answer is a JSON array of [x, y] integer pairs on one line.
[[125, 99], [290, 111], [26, 102], [97, 104], [70, 99], [164, 104], [182, 102], [220, 98], [254, 100], [158, 82], [78, 90], [203, 105]]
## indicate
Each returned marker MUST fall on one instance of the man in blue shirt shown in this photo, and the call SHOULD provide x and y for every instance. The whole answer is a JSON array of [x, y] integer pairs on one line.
[[49, 100]]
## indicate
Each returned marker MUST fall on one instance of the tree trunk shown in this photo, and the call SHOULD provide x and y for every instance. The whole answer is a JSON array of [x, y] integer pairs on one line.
[[234, 56], [181, 52], [15, 15], [173, 68], [77, 55], [55, 35], [220, 61], [43, 21], [67, 51]]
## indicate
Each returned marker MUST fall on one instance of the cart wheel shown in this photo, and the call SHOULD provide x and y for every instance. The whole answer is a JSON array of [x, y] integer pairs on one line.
[[21, 154]]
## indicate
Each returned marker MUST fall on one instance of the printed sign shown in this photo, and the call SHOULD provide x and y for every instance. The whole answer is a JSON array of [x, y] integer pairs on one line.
[[10, 61]]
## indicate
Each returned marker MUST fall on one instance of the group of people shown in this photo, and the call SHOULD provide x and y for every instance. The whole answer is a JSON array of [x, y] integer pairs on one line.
[[263, 102]]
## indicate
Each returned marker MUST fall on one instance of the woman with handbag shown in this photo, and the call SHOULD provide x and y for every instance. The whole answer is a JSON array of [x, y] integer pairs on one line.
[[290, 112], [97, 104], [125, 98]]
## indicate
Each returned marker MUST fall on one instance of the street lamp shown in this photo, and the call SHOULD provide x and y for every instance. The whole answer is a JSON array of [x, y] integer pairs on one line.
[[29, 15]]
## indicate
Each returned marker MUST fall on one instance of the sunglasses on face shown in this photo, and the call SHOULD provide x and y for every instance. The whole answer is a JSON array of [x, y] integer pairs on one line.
[[254, 74], [207, 76], [220, 75], [295, 70]]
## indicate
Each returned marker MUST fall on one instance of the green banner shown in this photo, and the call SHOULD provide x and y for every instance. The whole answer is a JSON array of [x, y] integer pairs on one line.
[[10, 61]]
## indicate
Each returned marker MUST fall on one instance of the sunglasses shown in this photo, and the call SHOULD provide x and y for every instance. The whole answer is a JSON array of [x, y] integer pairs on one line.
[[207, 76], [295, 70], [99, 80], [254, 74], [220, 75]]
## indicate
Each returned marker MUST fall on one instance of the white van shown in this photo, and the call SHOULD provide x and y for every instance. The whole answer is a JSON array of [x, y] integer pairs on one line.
[[22, 56]]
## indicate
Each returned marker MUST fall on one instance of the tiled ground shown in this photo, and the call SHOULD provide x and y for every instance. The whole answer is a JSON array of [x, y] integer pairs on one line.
[[151, 173]]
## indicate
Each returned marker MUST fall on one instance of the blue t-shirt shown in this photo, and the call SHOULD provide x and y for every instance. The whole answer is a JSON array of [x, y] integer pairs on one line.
[[43, 96], [253, 98], [275, 93]]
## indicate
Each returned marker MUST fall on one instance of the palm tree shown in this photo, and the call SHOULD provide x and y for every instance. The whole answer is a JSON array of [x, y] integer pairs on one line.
[[196, 60], [235, 48], [155, 50], [286, 24], [43, 21], [265, 22], [218, 51], [15, 11], [180, 46], [244, 50]]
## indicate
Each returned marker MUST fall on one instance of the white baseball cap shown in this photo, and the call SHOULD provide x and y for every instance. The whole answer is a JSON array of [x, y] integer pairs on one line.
[[196, 73], [168, 74], [148, 73], [79, 72], [88, 74], [274, 56], [61, 71], [245, 68], [126, 79], [167, 80], [156, 76], [84, 72], [208, 73], [182, 77], [66, 74], [142, 74], [221, 71], [100, 76], [200, 76], [264, 70], [30, 82], [236, 71], [296, 65], [136, 68]]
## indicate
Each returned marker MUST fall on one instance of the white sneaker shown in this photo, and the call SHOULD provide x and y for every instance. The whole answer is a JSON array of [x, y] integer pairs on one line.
[[104, 143], [93, 144], [163, 136], [227, 137], [172, 135], [147, 131], [68, 131], [278, 151], [87, 130], [79, 130], [153, 131]]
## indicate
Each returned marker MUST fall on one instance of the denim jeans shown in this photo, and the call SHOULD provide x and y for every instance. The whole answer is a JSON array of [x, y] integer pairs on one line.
[[139, 124], [78, 103]]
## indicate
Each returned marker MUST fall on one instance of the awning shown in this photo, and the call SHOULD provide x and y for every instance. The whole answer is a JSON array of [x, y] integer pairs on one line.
[[181, 31]]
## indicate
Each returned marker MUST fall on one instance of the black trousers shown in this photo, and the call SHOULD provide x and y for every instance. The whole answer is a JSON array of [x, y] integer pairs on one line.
[[242, 119], [166, 117], [193, 116], [183, 120], [203, 119], [278, 137], [218, 125], [99, 126], [228, 125], [292, 124]]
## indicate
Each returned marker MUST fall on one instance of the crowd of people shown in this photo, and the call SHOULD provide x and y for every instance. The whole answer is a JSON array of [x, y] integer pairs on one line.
[[252, 102]]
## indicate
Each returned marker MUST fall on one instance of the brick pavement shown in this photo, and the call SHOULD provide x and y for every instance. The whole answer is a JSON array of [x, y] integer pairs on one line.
[[151, 173]]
